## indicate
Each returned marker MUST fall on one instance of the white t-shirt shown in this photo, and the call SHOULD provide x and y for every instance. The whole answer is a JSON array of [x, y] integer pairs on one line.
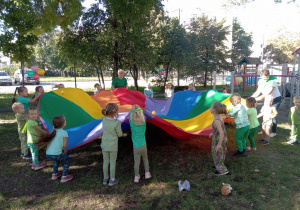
[[263, 85], [169, 92]]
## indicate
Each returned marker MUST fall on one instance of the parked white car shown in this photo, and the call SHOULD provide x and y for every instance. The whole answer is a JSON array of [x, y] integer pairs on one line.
[[5, 78], [27, 79]]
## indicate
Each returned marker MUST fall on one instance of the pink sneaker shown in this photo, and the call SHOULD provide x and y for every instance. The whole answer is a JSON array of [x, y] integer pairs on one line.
[[137, 179], [148, 175], [39, 166], [66, 178], [253, 148], [248, 149], [56, 176]]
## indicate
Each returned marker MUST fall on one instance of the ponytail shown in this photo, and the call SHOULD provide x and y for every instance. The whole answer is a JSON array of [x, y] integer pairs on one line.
[[14, 98], [104, 112], [45, 139]]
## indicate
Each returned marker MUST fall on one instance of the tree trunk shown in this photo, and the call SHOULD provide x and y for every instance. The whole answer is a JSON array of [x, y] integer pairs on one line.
[[75, 75], [205, 78], [167, 72], [101, 73], [135, 76], [178, 76]]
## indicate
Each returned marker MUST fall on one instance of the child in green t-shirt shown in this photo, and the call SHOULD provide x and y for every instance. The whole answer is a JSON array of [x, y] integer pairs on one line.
[[33, 133], [252, 117], [294, 121], [18, 108], [138, 128]]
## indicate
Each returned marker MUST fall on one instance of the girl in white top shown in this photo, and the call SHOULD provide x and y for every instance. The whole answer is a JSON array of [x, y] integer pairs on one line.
[[169, 90], [268, 112]]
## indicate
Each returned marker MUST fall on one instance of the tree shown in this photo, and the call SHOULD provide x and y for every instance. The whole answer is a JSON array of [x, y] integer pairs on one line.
[[23, 20], [244, 2], [286, 41], [241, 43], [206, 38], [129, 29], [172, 47], [274, 55]]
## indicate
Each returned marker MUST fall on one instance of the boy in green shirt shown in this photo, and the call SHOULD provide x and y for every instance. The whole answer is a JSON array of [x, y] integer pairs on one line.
[[18, 108], [294, 121]]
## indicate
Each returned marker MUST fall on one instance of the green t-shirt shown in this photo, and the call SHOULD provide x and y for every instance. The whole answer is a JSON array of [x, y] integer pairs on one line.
[[294, 116], [137, 133], [117, 82], [252, 117], [111, 131], [21, 120], [32, 133], [24, 101]]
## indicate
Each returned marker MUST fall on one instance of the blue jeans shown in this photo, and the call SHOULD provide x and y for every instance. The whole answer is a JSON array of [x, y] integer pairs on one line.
[[276, 103], [63, 157]]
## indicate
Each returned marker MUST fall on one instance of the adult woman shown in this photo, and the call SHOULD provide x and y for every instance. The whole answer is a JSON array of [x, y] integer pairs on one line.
[[119, 81], [268, 86]]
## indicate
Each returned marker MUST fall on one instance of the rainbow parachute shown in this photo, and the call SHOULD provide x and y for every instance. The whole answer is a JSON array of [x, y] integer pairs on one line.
[[183, 116]]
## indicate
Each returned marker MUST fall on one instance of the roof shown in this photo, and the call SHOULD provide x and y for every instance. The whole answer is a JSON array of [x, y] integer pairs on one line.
[[297, 51], [250, 60]]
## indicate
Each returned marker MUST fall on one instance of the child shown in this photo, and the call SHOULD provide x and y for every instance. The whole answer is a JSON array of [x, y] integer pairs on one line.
[[18, 108], [38, 89], [111, 131], [191, 87], [138, 129], [33, 133], [226, 90], [59, 86], [148, 91], [294, 120], [242, 124], [23, 93], [219, 142], [97, 87], [169, 90], [268, 112], [56, 143], [252, 117]]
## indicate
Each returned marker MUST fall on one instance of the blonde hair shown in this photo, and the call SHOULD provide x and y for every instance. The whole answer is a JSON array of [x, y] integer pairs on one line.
[[265, 73], [296, 98], [120, 70], [137, 117], [16, 105], [172, 86], [111, 109], [59, 86], [219, 107], [236, 95]]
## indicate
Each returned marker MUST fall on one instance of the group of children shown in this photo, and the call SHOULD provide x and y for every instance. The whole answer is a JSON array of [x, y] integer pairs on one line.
[[35, 138], [246, 125]]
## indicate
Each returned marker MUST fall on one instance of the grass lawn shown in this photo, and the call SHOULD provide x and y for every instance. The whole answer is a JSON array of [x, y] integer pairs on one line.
[[266, 179]]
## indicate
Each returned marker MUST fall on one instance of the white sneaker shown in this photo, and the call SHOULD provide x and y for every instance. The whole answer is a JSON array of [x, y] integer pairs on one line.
[[272, 135], [259, 132]]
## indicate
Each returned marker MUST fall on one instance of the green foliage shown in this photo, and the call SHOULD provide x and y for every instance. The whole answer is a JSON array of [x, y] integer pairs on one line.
[[274, 55], [10, 69], [286, 42], [207, 49], [241, 43]]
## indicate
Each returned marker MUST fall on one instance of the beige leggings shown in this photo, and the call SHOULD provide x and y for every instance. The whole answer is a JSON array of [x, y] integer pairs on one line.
[[138, 153]]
